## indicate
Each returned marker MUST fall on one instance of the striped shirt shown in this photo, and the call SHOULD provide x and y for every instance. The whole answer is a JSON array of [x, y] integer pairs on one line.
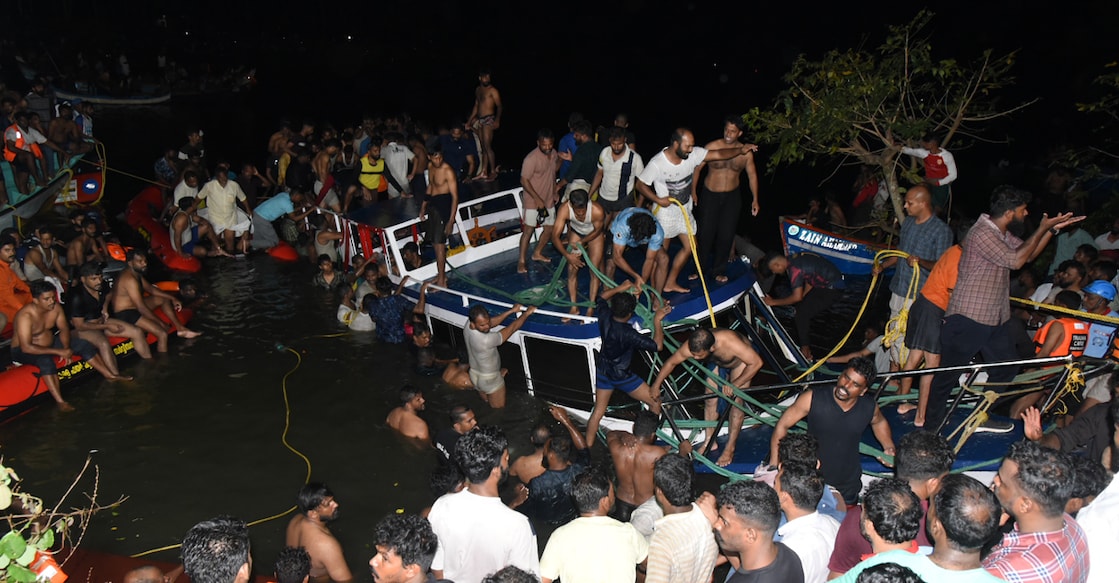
[[1041, 557], [982, 292], [682, 550]]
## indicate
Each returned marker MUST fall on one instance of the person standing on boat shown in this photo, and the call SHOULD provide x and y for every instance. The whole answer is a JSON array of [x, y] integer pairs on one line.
[[481, 344], [668, 177], [978, 316], [816, 283], [634, 227], [615, 181], [619, 341], [837, 416], [732, 357], [924, 237], [538, 179], [441, 207], [308, 529], [940, 169], [485, 118], [720, 200], [585, 221], [34, 341]]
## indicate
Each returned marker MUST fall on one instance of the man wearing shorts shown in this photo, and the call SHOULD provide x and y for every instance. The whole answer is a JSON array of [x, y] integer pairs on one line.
[[538, 179], [670, 176], [619, 341], [440, 204], [585, 224], [481, 345], [35, 343]]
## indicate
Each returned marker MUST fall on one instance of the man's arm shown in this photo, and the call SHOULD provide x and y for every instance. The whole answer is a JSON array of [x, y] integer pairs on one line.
[[728, 153], [794, 298], [508, 331], [576, 436], [597, 181], [1053, 338], [178, 225], [681, 354], [752, 180], [1031, 419], [453, 187], [598, 220], [882, 433], [647, 192], [21, 329], [792, 415], [621, 263], [611, 292], [498, 108], [573, 256], [1033, 246]]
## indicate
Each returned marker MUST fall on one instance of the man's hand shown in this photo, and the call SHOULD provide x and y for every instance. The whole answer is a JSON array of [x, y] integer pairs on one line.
[[706, 503], [664, 201], [66, 354], [1031, 419], [662, 312], [558, 413], [747, 148], [565, 156], [575, 259], [529, 311], [1060, 221], [914, 261]]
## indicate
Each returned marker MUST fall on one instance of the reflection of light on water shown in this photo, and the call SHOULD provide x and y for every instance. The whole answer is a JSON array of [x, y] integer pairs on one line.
[[247, 294]]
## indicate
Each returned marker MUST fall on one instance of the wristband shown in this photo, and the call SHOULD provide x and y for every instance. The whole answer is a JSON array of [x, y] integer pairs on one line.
[[1054, 231]]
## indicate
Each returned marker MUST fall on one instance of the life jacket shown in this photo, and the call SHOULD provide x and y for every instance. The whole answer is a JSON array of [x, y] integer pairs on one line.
[[1074, 342], [370, 175], [21, 144]]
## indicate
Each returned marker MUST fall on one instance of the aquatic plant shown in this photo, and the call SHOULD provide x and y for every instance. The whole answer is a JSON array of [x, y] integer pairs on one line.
[[35, 532]]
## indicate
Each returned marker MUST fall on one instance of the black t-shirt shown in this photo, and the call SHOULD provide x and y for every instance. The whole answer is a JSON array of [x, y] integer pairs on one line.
[[445, 442], [80, 304], [550, 500], [785, 568]]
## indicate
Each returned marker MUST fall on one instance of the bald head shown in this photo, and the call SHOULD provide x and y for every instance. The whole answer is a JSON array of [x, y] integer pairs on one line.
[[918, 202], [682, 143], [148, 574]]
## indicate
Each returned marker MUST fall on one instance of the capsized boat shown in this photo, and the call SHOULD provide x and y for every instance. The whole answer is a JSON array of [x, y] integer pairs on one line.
[[852, 256]]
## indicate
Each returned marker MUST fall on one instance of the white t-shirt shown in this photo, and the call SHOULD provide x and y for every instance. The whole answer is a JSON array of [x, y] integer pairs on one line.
[[675, 180], [479, 535], [1103, 244], [182, 190], [482, 348], [612, 172], [396, 159], [1100, 523], [812, 538]]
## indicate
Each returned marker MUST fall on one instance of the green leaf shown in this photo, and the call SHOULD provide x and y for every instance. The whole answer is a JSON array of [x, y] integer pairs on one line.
[[20, 574], [5, 560], [46, 541], [12, 545], [5, 496], [27, 556]]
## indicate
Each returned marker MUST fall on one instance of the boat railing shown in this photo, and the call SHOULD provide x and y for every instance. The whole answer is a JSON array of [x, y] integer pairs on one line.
[[469, 299]]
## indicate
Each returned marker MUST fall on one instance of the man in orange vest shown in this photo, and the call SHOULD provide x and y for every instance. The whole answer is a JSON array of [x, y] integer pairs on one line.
[[25, 156], [14, 293], [1062, 336]]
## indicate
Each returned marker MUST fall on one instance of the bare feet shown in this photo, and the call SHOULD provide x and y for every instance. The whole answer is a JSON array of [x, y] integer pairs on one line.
[[906, 408], [714, 445], [574, 311], [65, 407], [187, 333], [118, 377], [541, 259], [693, 277], [220, 253], [590, 312], [522, 268], [674, 288], [721, 279], [725, 459]]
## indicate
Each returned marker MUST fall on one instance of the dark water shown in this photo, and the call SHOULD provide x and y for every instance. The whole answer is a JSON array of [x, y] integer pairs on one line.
[[200, 431]]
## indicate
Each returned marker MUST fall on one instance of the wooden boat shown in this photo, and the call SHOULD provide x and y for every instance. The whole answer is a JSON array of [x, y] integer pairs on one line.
[[142, 98], [21, 389], [852, 256], [71, 185]]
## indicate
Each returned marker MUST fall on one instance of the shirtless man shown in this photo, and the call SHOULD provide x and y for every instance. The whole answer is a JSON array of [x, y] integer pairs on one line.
[[324, 178], [585, 222], [634, 455], [88, 246], [187, 230], [43, 259], [733, 356], [34, 341], [134, 298], [309, 530], [531, 465], [721, 199], [64, 132], [485, 117], [405, 418], [441, 207], [87, 307]]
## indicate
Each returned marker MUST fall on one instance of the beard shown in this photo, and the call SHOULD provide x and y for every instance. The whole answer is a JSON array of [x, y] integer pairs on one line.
[[680, 153], [1017, 228]]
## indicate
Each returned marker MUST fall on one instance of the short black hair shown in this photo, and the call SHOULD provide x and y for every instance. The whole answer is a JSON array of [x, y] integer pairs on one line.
[[798, 447], [894, 510], [539, 435], [702, 339], [803, 483], [445, 479], [409, 536], [923, 455], [754, 502], [1067, 299], [562, 446], [545, 134], [477, 311], [39, 287], [642, 226], [510, 574], [409, 392], [622, 305], [479, 452], [1043, 474], [293, 564], [588, 488], [458, 412], [214, 550], [968, 511], [736, 120], [89, 268], [888, 573], [864, 365], [579, 198], [311, 496], [1089, 477], [675, 476], [1007, 198], [646, 423]]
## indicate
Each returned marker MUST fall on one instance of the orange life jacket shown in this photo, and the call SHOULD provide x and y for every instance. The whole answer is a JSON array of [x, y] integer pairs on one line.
[[21, 144], [1074, 342]]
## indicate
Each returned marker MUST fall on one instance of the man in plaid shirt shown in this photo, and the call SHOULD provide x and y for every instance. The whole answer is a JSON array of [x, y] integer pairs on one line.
[[1046, 546]]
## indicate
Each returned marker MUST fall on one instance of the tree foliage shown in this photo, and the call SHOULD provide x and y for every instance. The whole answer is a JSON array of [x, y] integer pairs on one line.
[[857, 106]]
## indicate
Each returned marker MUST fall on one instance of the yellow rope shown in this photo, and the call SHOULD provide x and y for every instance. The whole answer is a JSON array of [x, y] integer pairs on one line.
[[1080, 314], [695, 258], [895, 328]]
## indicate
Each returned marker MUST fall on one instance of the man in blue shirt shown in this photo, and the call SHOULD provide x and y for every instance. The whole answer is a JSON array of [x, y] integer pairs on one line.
[[460, 152], [634, 227], [267, 212]]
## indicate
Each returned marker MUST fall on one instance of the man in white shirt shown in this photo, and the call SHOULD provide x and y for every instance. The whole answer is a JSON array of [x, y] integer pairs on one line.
[[397, 155], [1100, 519], [618, 169], [222, 196], [669, 177], [682, 549], [808, 533]]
